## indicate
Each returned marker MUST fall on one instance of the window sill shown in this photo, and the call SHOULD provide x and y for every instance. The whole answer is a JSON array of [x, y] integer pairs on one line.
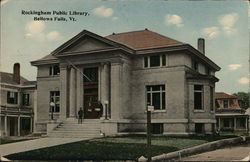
[[199, 111], [158, 111]]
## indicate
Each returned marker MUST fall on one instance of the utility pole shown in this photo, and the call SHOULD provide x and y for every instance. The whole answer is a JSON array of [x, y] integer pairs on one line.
[[149, 151]]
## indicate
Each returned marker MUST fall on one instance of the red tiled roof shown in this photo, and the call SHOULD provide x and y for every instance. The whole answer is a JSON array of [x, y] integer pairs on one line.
[[144, 39], [222, 95], [8, 78]]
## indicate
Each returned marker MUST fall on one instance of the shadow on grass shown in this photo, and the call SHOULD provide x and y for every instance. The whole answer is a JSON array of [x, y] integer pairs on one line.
[[91, 150]]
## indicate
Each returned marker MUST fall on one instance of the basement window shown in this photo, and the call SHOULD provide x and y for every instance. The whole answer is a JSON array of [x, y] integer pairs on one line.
[[199, 128], [157, 128]]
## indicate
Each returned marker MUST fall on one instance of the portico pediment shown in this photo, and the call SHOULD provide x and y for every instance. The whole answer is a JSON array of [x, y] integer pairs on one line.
[[86, 42]]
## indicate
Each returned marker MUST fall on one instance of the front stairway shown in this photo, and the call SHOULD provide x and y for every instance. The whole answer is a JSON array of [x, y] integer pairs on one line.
[[90, 128]]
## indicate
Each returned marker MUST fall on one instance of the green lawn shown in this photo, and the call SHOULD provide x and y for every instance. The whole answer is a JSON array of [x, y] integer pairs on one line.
[[10, 140], [113, 148]]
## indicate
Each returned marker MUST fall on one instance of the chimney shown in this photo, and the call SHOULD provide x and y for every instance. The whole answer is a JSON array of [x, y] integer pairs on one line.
[[16, 73], [201, 45]]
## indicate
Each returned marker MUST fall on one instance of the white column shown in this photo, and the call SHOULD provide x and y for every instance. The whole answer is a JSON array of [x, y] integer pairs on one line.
[[79, 90], [105, 87], [116, 90], [63, 92], [18, 126], [72, 93], [5, 125]]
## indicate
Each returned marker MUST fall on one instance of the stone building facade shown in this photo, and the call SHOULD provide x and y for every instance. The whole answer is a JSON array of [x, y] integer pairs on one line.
[[114, 78], [18, 103]]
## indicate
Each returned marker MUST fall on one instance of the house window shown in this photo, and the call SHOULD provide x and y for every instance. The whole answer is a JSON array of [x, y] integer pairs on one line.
[[155, 61], [198, 97], [12, 97], [195, 65], [156, 96], [211, 98], [26, 99], [226, 103], [199, 128], [226, 123], [54, 101], [54, 70]]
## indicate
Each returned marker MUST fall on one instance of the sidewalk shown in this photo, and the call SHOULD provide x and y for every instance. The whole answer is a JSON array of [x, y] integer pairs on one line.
[[17, 147], [234, 153]]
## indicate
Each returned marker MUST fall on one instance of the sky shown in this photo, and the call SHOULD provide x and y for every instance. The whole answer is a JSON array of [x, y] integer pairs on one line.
[[223, 24]]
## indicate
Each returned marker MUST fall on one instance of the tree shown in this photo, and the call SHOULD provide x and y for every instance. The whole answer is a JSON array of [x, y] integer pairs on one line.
[[243, 98]]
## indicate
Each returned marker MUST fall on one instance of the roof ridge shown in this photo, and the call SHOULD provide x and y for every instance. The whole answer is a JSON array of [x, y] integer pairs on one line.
[[126, 32], [146, 29]]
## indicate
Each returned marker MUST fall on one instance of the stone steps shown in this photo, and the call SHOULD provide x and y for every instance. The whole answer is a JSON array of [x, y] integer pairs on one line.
[[70, 128]]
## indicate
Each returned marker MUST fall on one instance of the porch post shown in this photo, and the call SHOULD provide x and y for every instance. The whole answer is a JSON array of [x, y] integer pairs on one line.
[[5, 125], [246, 125], [18, 125], [235, 123], [219, 123], [72, 93]]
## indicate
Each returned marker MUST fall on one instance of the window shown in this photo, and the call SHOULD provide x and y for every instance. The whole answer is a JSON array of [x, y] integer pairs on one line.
[[199, 128], [26, 99], [54, 101], [157, 128], [92, 74], [12, 97], [225, 103], [207, 70], [156, 96], [54, 70], [226, 123], [211, 98], [163, 60], [145, 61], [155, 61], [198, 97], [195, 65]]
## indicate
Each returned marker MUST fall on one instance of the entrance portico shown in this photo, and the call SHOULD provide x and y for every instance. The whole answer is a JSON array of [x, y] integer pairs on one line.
[[87, 87]]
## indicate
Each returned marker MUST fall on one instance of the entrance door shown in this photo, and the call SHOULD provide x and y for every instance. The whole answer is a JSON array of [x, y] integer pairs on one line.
[[91, 106]]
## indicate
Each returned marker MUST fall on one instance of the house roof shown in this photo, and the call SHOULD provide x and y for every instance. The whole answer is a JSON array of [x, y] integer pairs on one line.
[[222, 95], [8, 78], [143, 39]]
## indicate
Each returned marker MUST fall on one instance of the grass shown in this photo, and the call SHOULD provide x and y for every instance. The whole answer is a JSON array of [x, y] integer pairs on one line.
[[6, 140], [113, 148]]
